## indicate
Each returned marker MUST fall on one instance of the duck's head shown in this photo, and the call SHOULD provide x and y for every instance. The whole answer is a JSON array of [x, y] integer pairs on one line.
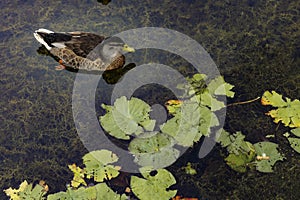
[[112, 47]]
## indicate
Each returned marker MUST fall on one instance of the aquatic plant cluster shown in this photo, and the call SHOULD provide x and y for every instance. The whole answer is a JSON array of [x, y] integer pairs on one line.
[[155, 150]]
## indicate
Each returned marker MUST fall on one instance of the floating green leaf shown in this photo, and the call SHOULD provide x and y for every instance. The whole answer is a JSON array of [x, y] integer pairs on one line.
[[241, 152], [269, 150], [188, 126], [239, 162], [208, 100], [26, 191], [287, 111], [273, 98], [153, 186], [154, 149], [97, 165], [197, 85], [294, 142], [99, 191], [235, 143], [127, 117], [219, 87]]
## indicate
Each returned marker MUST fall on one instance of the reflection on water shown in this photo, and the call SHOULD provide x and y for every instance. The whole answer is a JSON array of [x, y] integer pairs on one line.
[[254, 43]]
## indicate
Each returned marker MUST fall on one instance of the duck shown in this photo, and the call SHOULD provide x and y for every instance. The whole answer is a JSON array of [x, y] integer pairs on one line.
[[84, 50]]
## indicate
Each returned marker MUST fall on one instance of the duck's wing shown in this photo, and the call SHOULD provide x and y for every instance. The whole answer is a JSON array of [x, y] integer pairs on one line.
[[81, 43]]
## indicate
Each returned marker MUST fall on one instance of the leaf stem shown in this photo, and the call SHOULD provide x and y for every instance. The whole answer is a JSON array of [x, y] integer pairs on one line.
[[243, 102]]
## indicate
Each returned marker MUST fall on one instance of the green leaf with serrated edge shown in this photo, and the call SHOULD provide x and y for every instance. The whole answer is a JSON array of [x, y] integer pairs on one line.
[[224, 138], [210, 101], [288, 115], [273, 98], [26, 191], [238, 144], [268, 149], [127, 117], [189, 125], [97, 165], [153, 186], [287, 111], [218, 86], [155, 150], [184, 126]]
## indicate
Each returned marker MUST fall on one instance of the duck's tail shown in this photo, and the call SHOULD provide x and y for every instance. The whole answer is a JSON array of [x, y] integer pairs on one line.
[[51, 39]]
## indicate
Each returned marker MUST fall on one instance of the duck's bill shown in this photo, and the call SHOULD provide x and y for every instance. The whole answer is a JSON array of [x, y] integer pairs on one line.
[[127, 48]]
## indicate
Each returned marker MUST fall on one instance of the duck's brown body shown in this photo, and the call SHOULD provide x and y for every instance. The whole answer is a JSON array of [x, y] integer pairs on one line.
[[79, 50]]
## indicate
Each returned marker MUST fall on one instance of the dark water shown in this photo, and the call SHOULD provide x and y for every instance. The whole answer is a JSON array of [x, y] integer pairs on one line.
[[255, 44]]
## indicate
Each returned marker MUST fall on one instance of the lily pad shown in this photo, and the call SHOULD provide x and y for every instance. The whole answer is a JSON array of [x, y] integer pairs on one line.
[[98, 165], [268, 149], [155, 150], [153, 185], [127, 117], [287, 111]]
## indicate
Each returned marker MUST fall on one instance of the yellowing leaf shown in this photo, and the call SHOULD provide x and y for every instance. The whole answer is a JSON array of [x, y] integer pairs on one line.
[[287, 111], [78, 176], [13, 193], [273, 99]]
